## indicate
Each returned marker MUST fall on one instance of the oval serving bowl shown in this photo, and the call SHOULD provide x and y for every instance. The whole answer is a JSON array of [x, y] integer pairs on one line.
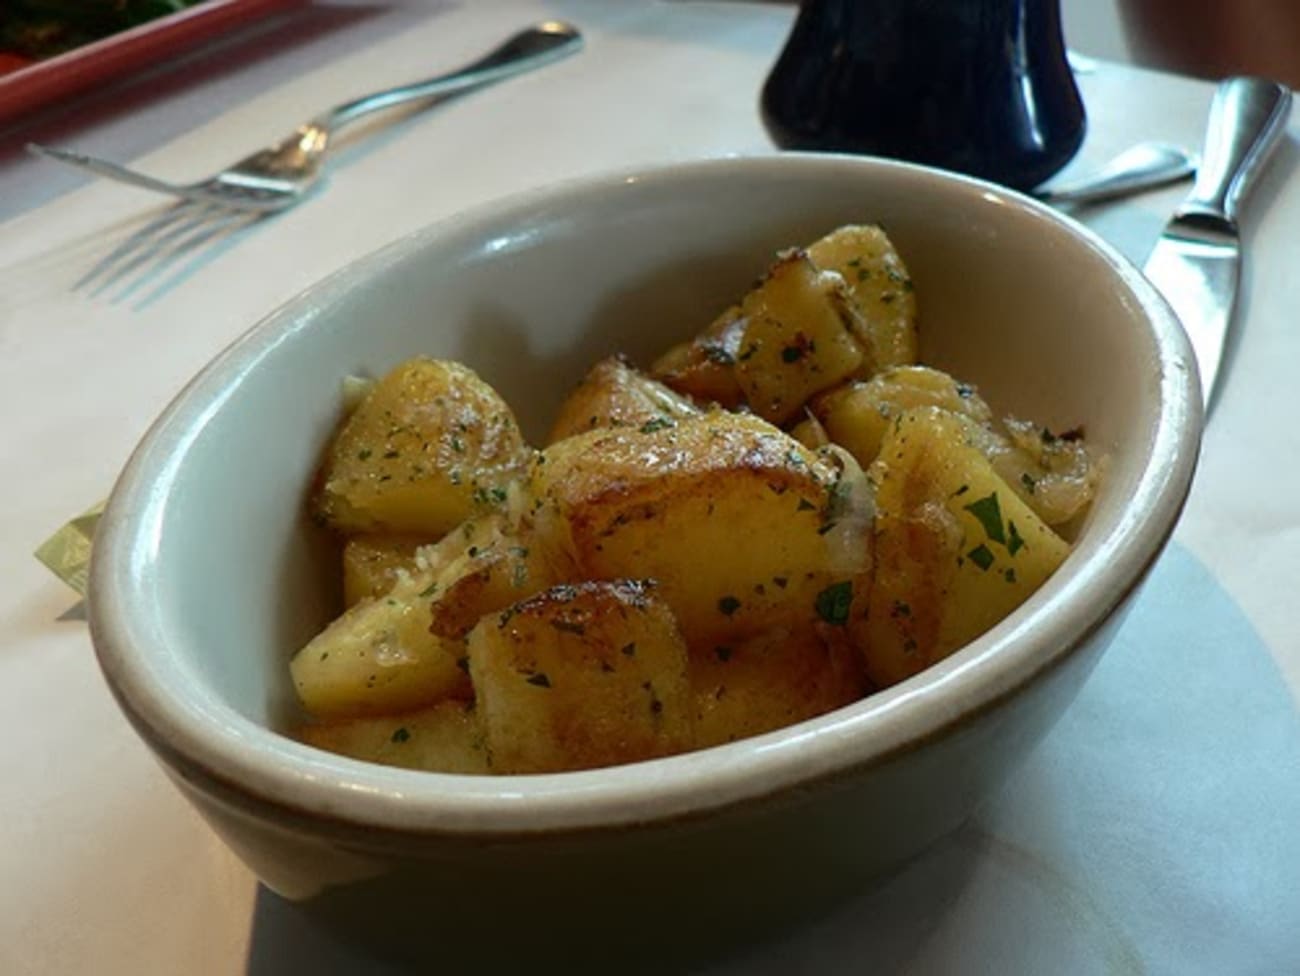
[[207, 575]]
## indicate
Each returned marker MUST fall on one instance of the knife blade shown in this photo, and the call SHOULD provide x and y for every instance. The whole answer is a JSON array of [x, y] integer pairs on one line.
[[1196, 263]]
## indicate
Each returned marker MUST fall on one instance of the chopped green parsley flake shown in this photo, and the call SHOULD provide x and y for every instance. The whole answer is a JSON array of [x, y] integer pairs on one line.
[[539, 679], [658, 423], [833, 603], [989, 513], [401, 735], [1014, 542], [981, 556], [728, 605]]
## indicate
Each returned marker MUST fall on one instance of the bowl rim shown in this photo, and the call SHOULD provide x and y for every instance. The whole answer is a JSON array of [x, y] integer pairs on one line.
[[206, 741]]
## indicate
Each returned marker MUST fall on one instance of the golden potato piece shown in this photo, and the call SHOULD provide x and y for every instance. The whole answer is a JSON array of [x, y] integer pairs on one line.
[[580, 676], [371, 564], [740, 525], [798, 339], [383, 655], [809, 432], [498, 568], [1055, 474], [429, 446], [955, 549], [881, 289], [380, 657], [443, 739], [857, 414], [615, 394], [769, 682], [704, 367]]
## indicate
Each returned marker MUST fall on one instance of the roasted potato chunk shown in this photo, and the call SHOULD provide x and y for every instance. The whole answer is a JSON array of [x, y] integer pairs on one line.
[[380, 657], [615, 394], [399, 651], [1054, 474], [499, 566], [810, 433], [741, 525], [429, 446], [955, 549], [580, 676], [799, 337], [770, 681], [443, 739], [882, 292], [857, 415], [372, 564], [704, 367]]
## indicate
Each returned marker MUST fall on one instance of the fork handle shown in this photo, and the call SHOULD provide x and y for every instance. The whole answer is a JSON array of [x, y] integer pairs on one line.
[[539, 45], [1247, 121]]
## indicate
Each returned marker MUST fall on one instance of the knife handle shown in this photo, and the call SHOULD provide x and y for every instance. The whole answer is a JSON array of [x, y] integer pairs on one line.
[[1247, 119]]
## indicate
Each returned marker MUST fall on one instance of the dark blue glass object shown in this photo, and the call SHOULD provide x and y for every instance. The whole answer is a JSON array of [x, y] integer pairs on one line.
[[978, 86]]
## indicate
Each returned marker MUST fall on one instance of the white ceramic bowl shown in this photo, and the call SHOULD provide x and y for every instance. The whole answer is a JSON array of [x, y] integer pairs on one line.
[[207, 576]]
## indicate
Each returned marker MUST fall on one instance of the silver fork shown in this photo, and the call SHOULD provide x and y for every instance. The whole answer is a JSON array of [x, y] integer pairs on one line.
[[279, 176]]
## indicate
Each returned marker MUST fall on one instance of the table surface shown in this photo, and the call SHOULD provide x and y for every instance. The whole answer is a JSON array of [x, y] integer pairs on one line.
[[1153, 831]]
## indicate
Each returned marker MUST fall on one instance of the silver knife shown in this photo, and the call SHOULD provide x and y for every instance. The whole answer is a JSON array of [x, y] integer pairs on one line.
[[1196, 263]]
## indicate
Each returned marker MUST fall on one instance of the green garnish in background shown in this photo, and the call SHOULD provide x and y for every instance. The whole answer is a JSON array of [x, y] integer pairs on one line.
[[44, 28]]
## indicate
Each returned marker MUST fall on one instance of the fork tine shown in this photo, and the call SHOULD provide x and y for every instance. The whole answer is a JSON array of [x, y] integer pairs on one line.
[[112, 171], [147, 244], [127, 255], [191, 255], [169, 257], [234, 198]]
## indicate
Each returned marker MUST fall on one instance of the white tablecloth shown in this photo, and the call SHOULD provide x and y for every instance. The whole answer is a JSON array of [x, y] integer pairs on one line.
[[1154, 831]]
